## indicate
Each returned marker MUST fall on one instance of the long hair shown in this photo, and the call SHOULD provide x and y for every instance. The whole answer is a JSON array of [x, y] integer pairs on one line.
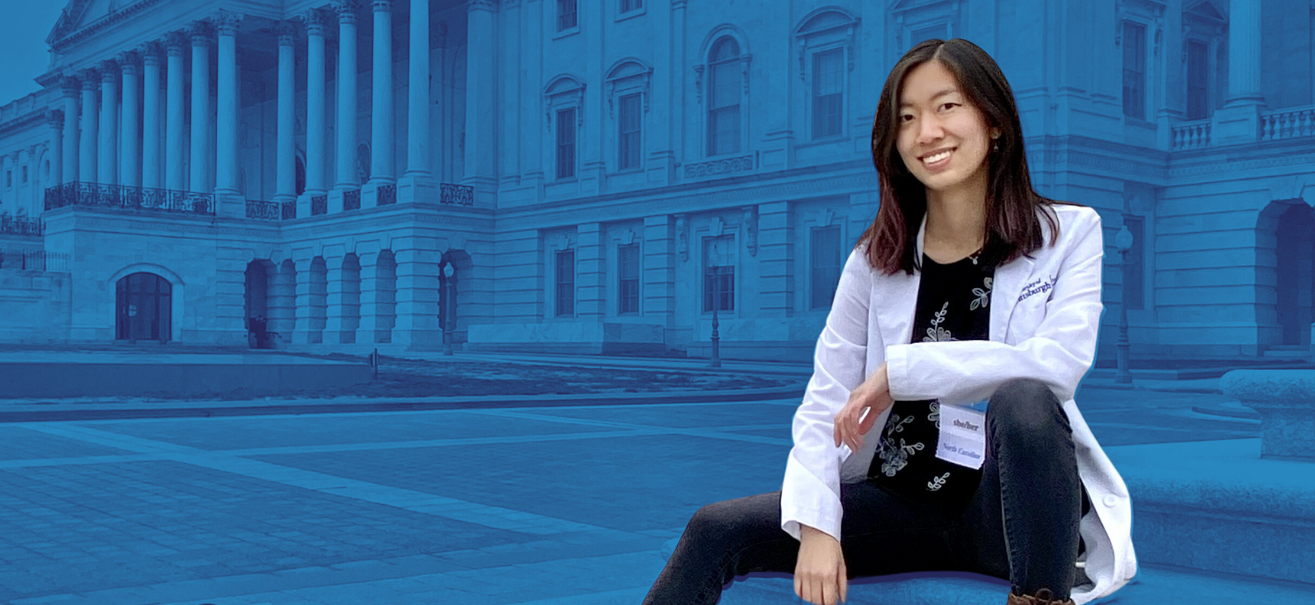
[[1012, 227]]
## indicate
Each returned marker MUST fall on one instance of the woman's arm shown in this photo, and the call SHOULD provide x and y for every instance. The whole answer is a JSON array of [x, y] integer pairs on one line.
[[810, 493], [1059, 353]]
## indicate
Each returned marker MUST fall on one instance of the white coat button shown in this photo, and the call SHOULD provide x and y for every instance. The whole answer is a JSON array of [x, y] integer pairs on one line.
[[1111, 500]]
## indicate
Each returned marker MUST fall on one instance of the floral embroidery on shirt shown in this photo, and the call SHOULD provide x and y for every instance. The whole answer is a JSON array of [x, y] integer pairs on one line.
[[936, 333], [935, 415], [895, 459], [983, 295], [937, 483]]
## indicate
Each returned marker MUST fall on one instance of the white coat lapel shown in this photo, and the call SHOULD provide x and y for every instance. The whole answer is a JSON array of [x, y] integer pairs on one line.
[[894, 298], [1007, 286]]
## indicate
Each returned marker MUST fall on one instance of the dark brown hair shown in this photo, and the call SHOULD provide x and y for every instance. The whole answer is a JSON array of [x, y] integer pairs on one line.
[[1012, 226]]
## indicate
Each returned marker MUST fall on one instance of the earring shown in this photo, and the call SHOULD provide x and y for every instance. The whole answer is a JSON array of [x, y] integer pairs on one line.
[[996, 147]]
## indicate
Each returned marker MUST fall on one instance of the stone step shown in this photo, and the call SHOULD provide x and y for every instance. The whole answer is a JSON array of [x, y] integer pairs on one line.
[[1217, 507]]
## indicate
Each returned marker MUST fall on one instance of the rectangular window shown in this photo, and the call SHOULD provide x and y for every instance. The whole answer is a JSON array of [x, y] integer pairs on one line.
[[631, 5], [825, 266], [565, 14], [565, 283], [724, 116], [1134, 70], [566, 143], [9, 178], [1197, 81], [628, 138], [1133, 292], [25, 174], [931, 32], [627, 270], [828, 81], [718, 274]]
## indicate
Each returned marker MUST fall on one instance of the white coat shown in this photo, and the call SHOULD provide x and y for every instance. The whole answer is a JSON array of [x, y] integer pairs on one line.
[[1045, 316]]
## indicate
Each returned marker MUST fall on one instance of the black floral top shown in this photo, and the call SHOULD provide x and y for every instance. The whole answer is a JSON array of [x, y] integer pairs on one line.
[[953, 304]]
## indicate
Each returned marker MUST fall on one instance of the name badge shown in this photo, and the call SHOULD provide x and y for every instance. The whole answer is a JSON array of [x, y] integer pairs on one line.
[[962, 438]]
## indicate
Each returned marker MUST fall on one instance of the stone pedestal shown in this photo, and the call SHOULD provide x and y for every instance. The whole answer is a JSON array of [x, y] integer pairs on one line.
[[1285, 400]]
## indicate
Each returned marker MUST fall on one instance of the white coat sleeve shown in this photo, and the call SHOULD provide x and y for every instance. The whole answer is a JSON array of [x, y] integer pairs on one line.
[[1059, 353], [810, 493]]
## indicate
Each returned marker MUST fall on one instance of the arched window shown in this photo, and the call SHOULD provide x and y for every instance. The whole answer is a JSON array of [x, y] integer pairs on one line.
[[724, 79], [143, 304]]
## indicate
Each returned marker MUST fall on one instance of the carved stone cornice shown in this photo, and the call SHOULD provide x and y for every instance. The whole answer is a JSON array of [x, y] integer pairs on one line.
[[226, 22], [175, 43], [286, 32], [150, 53]]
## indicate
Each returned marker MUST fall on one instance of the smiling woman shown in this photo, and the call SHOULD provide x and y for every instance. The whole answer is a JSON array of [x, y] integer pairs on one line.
[[925, 327]]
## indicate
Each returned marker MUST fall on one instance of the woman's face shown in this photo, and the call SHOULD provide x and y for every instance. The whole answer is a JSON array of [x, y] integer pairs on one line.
[[943, 139]]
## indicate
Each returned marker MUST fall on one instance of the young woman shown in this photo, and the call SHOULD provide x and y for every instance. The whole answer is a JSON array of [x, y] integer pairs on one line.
[[968, 288]]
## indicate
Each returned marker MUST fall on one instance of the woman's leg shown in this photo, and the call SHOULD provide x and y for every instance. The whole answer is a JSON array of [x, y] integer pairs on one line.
[[880, 534], [1022, 525]]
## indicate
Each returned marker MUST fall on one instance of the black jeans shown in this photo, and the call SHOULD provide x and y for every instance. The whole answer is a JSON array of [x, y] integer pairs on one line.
[[1021, 525]]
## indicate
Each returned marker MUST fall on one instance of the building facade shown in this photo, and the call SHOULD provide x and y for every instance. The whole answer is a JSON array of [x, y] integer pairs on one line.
[[617, 175]]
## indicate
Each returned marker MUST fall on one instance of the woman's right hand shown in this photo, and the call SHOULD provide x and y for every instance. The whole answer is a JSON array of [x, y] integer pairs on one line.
[[873, 397], [819, 573]]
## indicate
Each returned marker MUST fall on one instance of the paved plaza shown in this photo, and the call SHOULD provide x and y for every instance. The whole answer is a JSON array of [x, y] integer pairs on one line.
[[539, 504]]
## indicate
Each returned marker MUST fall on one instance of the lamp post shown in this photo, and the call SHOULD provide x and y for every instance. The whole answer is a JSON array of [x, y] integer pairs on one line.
[[716, 302], [448, 271], [1123, 242]]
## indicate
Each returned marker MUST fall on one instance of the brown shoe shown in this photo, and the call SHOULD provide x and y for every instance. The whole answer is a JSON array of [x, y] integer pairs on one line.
[[1043, 597]]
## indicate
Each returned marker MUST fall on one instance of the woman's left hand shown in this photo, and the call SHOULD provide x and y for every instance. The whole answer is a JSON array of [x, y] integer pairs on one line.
[[873, 396]]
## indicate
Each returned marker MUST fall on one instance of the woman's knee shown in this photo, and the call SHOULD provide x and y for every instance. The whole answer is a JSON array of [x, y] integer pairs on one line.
[[1026, 406]]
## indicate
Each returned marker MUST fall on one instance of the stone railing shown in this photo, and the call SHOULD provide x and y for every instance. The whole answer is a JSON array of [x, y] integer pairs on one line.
[[20, 225], [268, 211], [104, 195], [1287, 123], [721, 167], [460, 195], [1285, 400], [1191, 135]]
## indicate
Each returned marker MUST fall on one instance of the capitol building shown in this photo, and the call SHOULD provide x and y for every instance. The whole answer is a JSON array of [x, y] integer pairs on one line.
[[606, 176]]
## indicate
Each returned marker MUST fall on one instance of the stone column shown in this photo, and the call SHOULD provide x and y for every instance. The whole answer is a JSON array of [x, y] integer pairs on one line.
[[345, 175], [34, 182], [316, 183], [90, 134], [659, 270], [201, 116], [417, 182], [283, 302], [333, 296], [381, 113], [368, 298], [1238, 121], [175, 44], [55, 119], [285, 172], [151, 115], [1244, 53], [591, 273], [130, 145], [226, 173], [109, 124], [481, 109], [301, 332], [417, 324], [70, 159]]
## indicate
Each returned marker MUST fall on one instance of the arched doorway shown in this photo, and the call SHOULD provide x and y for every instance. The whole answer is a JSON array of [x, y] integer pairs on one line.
[[143, 308], [1295, 284]]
